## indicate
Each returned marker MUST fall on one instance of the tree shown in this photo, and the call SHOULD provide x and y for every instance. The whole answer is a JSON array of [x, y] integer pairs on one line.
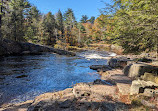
[[133, 24], [140, 25], [84, 19], [3, 10], [32, 24], [69, 22], [60, 24], [92, 19], [17, 19], [49, 29]]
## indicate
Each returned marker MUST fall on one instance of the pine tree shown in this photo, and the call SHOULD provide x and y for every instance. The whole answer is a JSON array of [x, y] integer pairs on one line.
[[17, 19], [92, 19], [60, 23], [49, 29], [32, 24], [69, 22], [84, 19], [3, 11]]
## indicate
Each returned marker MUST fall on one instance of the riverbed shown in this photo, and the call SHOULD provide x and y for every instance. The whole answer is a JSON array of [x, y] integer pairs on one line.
[[25, 77]]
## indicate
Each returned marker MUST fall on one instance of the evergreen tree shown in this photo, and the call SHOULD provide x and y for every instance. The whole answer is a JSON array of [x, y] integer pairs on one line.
[[84, 19], [81, 31], [69, 22], [92, 19], [60, 24], [49, 29], [3, 11], [32, 24], [17, 11]]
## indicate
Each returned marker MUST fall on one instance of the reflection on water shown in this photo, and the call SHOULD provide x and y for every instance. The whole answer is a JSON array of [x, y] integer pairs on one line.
[[40, 74]]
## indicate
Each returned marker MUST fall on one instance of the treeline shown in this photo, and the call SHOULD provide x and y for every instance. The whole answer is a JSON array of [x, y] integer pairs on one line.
[[132, 24], [21, 21]]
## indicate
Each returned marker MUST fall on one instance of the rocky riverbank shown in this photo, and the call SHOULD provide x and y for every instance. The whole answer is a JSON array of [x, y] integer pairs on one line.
[[127, 83], [8, 47], [124, 85]]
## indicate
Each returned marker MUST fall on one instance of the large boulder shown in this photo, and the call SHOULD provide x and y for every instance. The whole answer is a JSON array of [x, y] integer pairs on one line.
[[31, 48], [81, 89], [150, 77], [97, 89], [147, 88], [138, 69], [63, 52], [118, 62], [10, 47], [2, 50]]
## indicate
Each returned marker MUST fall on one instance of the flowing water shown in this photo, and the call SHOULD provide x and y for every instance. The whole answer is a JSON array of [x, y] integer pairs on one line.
[[24, 77]]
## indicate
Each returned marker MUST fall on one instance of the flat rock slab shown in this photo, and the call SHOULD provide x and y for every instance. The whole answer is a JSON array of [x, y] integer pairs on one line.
[[103, 90], [122, 82], [119, 78], [116, 76], [124, 89], [88, 90], [17, 107], [96, 67]]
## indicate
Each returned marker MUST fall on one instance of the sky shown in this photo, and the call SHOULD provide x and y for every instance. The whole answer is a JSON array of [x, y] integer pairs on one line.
[[80, 7]]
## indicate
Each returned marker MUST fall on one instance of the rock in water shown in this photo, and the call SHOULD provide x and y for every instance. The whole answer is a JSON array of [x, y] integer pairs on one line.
[[100, 67], [22, 76]]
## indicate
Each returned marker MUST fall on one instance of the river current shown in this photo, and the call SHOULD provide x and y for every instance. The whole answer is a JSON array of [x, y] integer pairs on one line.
[[25, 77]]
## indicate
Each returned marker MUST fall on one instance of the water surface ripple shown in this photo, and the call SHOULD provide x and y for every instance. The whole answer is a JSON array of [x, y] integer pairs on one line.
[[43, 73]]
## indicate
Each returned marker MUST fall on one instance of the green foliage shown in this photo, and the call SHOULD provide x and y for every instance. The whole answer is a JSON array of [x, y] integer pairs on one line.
[[15, 18], [49, 29], [136, 102], [60, 23], [69, 22], [84, 19], [81, 27], [32, 24], [133, 25], [69, 18], [92, 19]]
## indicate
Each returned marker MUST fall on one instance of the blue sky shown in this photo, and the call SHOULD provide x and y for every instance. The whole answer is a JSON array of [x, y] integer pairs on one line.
[[80, 7]]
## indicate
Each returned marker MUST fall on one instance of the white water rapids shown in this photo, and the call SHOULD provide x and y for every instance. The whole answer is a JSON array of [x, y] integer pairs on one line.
[[97, 55]]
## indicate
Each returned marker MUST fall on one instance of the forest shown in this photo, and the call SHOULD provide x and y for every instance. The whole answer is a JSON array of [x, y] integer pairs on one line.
[[59, 61], [132, 24]]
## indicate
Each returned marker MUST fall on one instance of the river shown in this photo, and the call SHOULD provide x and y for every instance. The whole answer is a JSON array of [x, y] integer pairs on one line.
[[25, 77]]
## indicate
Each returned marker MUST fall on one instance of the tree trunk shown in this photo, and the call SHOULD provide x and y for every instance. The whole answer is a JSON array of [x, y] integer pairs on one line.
[[0, 27], [1, 12]]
